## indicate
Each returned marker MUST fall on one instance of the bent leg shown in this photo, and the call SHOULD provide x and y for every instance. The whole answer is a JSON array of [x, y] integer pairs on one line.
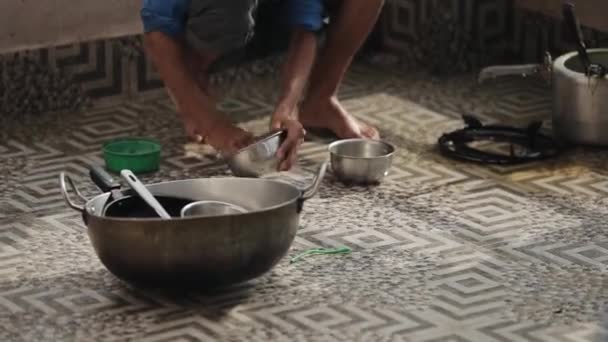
[[171, 59], [349, 28], [198, 66]]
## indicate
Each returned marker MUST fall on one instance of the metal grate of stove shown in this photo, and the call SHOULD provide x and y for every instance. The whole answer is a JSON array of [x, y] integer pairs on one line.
[[497, 144]]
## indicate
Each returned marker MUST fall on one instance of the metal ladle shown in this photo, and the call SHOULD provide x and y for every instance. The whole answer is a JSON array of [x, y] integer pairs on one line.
[[143, 192], [591, 69]]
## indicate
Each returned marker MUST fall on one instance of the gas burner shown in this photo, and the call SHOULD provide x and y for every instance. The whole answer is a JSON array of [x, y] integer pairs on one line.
[[497, 144]]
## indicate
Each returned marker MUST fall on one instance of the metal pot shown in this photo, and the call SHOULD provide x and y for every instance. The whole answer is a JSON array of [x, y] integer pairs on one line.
[[580, 102], [361, 161], [203, 251]]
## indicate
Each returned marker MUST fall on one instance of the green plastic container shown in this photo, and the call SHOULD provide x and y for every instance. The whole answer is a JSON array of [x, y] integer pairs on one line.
[[140, 155]]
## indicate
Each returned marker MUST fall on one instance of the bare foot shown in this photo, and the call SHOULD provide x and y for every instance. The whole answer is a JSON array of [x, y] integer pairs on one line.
[[329, 114]]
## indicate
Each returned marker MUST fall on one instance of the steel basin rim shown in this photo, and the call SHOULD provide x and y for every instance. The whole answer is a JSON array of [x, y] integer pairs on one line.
[[369, 159], [179, 218], [344, 141], [256, 144], [90, 202]]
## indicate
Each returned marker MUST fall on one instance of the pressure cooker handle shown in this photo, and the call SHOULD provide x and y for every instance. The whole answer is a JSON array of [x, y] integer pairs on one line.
[[64, 191], [496, 71], [577, 34]]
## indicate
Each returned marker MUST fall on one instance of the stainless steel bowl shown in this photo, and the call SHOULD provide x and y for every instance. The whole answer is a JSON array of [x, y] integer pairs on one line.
[[361, 160], [211, 208], [259, 158]]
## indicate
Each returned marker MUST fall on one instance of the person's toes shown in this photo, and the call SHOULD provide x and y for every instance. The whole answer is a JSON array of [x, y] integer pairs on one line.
[[369, 131]]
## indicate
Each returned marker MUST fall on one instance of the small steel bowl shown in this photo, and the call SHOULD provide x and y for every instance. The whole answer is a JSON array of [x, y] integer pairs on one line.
[[211, 208], [259, 158], [361, 161]]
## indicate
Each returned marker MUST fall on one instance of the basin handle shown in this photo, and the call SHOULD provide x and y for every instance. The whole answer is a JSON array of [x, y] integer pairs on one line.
[[316, 184], [64, 191]]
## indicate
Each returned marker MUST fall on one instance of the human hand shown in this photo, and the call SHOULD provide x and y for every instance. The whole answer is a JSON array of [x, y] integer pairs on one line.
[[288, 151], [222, 135]]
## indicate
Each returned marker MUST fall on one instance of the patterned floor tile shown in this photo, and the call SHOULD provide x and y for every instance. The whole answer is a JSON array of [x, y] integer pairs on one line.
[[494, 298], [441, 250], [570, 234], [38, 188], [389, 221], [10, 255], [505, 330], [492, 212]]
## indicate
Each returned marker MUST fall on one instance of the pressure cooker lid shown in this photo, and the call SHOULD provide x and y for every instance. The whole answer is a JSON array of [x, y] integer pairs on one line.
[[497, 144], [598, 59]]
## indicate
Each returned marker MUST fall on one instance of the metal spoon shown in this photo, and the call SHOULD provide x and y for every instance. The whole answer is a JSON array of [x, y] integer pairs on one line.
[[143, 192]]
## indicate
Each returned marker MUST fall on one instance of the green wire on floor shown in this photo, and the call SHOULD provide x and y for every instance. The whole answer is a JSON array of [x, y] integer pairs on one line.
[[319, 251]]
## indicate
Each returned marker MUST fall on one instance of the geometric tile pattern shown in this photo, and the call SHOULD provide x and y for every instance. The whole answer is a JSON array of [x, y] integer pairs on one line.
[[524, 37], [146, 76], [404, 22], [97, 66], [441, 251], [109, 73]]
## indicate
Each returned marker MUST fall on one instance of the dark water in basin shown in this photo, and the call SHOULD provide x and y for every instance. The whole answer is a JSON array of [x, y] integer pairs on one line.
[[135, 207]]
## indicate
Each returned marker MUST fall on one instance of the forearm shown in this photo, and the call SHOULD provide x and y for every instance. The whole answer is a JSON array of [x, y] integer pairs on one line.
[[170, 61], [297, 68]]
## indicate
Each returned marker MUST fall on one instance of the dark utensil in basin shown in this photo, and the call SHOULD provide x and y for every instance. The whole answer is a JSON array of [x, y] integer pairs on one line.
[[135, 207], [143, 192], [126, 204]]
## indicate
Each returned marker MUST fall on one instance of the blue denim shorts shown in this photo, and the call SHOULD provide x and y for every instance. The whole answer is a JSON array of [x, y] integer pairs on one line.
[[220, 26]]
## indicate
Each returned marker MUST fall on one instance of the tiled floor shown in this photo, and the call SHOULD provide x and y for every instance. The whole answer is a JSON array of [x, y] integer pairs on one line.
[[442, 251]]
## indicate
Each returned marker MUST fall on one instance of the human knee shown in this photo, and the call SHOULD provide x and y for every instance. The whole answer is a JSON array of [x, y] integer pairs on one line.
[[228, 26]]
